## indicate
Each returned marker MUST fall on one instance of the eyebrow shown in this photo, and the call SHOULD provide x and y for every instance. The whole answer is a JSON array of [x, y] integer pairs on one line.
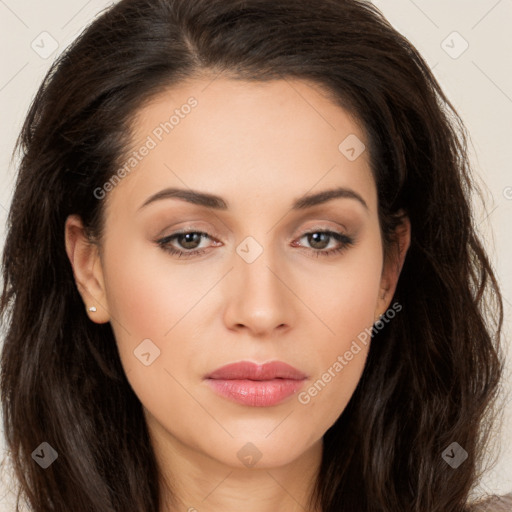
[[218, 203]]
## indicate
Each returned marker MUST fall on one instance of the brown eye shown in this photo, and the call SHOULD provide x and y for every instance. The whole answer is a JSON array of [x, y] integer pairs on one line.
[[184, 243], [320, 240], [189, 240]]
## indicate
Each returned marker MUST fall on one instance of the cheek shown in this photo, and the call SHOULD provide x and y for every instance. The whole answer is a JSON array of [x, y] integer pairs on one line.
[[348, 309], [139, 306], [347, 295], [146, 294], [148, 301]]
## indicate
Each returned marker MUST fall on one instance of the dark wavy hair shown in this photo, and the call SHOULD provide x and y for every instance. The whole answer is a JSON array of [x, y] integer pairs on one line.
[[432, 374]]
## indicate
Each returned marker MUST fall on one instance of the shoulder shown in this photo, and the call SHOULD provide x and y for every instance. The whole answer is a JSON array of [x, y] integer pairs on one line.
[[493, 504]]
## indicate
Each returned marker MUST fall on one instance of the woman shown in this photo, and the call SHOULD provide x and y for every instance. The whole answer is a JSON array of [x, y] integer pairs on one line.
[[241, 270]]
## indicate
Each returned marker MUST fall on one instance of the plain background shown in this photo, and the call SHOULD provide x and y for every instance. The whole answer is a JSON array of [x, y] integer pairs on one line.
[[467, 44]]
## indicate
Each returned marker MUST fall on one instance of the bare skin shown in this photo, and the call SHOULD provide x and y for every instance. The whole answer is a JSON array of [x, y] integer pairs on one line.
[[260, 147]]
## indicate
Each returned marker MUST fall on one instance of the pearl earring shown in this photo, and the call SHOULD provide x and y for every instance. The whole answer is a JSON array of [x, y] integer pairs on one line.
[[92, 309]]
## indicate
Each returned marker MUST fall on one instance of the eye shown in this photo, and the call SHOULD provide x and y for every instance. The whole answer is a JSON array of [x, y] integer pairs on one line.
[[188, 240], [320, 240], [189, 243]]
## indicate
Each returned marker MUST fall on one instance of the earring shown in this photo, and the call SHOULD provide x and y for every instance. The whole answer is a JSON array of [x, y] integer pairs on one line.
[[92, 309]]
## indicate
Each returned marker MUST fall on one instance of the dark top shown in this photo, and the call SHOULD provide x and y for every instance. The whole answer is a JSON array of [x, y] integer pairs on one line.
[[494, 504]]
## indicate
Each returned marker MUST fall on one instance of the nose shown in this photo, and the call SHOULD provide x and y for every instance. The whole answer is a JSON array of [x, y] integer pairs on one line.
[[260, 300]]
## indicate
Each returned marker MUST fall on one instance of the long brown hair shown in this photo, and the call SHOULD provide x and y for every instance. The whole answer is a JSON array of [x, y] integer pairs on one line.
[[432, 374]]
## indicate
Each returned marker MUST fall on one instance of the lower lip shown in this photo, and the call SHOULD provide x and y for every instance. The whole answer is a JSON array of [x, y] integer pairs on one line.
[[256, 393]]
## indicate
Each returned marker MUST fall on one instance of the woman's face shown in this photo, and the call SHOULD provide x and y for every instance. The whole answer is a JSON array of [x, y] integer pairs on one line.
[[285, 272]]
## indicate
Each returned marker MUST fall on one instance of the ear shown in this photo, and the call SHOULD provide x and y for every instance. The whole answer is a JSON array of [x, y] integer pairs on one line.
[[393, 264], [87, 269]]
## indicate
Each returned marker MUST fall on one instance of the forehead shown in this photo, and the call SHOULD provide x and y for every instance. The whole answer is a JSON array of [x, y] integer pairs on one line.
[[242, 139]]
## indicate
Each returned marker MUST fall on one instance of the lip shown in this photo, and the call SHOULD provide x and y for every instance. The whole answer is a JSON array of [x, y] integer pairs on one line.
[[256, 385]]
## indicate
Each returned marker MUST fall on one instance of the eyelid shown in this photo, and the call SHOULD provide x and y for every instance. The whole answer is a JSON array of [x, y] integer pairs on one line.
[[214, 235], [338, 228], [190, 229]]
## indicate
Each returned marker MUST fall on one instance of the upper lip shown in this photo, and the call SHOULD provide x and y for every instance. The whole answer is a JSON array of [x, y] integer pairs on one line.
[[253, 371]]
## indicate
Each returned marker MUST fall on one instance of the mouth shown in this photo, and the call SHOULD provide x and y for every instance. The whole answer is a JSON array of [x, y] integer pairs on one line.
[[256, 385]]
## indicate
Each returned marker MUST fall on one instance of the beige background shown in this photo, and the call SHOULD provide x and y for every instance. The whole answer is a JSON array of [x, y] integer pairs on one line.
[[477, 79]]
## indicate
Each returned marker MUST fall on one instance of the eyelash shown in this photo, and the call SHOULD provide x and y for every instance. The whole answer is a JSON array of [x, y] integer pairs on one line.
[[345, 241]]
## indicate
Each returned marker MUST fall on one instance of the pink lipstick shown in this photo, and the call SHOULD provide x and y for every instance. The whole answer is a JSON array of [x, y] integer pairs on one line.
[[256, 385]]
